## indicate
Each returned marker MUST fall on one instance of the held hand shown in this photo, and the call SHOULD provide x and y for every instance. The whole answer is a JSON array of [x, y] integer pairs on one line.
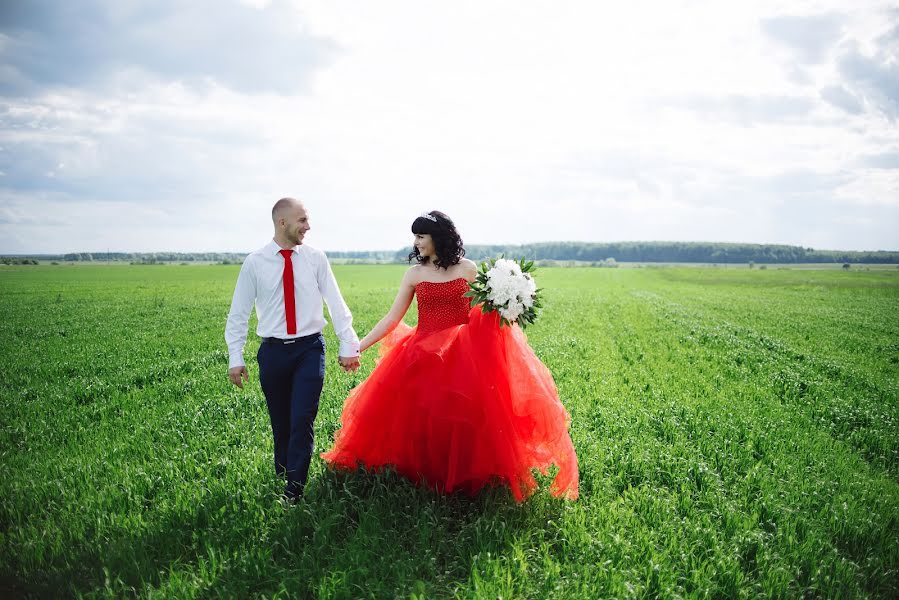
[[238, 375], [349, 363]]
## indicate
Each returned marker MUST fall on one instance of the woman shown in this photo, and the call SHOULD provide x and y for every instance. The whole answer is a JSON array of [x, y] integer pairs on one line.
[[458, 402]]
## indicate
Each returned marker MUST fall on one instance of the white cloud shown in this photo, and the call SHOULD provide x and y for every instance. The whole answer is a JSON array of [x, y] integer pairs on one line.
[[50, 43], [840, 97], [544, 121]]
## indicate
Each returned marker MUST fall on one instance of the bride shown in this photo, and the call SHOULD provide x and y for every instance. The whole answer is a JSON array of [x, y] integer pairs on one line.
[[457, 402]]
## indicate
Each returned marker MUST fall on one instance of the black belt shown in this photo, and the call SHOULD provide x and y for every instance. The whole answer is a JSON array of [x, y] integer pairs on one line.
[[274, 340]]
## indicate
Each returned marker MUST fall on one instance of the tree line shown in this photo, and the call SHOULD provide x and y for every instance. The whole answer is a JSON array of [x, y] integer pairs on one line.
[[684, 252], [644, 252]]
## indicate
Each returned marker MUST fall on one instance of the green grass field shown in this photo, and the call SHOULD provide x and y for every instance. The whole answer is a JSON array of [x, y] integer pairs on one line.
[[737, 430]]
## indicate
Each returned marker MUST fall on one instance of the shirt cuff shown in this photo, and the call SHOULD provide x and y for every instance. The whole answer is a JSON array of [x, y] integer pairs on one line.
[[236, 360], [349, 349]]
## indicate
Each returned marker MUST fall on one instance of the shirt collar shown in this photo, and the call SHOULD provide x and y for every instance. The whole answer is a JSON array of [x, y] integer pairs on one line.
[[274, 248]]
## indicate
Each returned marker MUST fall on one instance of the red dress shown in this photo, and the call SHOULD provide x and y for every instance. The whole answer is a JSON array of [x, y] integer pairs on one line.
[[458, 402]]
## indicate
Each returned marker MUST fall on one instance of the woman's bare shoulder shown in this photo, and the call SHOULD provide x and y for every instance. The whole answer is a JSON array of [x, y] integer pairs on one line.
[[413, 275], [469, 267]]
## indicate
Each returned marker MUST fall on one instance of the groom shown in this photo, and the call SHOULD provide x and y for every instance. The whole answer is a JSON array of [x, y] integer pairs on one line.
[[287, 280]]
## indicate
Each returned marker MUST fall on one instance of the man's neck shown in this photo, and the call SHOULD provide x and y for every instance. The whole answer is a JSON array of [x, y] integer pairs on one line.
[[284, 244]]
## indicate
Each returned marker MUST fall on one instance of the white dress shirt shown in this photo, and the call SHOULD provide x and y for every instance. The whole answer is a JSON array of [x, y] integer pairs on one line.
[[261, 281]]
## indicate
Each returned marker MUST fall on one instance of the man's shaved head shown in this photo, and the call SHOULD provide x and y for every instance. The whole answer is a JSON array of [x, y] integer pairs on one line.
[[283, 207], [291, 222]]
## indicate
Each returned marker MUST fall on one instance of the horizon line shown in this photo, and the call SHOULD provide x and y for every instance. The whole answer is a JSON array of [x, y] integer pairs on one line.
[[395, 250]]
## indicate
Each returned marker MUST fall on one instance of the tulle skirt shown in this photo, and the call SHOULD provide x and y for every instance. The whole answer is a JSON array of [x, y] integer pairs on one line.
[[457, 409]]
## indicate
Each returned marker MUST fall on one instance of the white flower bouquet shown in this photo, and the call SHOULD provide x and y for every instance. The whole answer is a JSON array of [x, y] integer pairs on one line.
[[507, 287]]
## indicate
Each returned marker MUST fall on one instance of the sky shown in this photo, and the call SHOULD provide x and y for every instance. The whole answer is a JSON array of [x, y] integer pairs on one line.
[[167, 125]]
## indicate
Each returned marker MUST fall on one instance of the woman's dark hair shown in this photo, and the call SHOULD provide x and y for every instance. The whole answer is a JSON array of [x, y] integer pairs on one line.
[[447, 242]]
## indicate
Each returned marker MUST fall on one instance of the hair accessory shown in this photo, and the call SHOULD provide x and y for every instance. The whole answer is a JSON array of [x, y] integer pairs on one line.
[[428, 216]]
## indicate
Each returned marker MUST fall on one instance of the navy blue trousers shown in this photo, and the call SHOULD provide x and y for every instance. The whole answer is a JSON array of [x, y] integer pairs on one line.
[[292, 376]]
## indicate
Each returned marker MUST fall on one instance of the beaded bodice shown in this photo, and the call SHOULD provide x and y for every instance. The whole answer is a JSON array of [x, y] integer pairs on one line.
[[442, 305]]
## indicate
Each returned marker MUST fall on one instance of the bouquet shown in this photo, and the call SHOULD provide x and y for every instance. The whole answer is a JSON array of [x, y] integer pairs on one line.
[[506, 286]]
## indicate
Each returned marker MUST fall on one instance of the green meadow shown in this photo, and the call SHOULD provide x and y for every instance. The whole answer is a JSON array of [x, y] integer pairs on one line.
[[737, 431]]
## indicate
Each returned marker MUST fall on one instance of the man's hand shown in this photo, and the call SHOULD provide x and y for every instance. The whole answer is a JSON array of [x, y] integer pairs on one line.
[[238, 375], [348, 363]]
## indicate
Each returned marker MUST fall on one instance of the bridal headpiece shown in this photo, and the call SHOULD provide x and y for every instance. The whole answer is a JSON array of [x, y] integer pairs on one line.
[[428, 216]]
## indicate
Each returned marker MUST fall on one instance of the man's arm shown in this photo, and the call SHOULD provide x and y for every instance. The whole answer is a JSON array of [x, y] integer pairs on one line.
[[238, 319], [341, 317]]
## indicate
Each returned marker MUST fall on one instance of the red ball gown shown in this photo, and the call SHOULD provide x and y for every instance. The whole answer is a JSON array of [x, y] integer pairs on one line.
[[458, 403]]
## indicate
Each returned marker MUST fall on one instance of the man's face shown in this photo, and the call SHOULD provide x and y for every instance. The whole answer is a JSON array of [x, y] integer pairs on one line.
[[296, 225]]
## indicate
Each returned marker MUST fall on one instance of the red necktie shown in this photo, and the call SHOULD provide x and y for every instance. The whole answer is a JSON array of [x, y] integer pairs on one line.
[[290, 307]]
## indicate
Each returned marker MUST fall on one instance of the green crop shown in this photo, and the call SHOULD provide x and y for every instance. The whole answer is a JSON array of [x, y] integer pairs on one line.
[[737, 431]]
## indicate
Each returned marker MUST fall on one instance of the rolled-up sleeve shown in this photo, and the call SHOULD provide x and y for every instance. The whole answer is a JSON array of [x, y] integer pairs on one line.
[[340, 313], [239, 315]]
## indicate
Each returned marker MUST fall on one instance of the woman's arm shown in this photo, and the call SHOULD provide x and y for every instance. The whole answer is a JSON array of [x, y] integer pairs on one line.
[[394, 315]]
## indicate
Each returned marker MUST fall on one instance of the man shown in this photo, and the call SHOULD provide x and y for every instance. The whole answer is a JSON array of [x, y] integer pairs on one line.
[[287, 280]]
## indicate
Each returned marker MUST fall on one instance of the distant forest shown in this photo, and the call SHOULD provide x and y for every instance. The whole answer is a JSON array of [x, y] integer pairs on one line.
[[641, 252]]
